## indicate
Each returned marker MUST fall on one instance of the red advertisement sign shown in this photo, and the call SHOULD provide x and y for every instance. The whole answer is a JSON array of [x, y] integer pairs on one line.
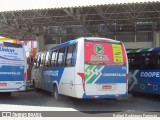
[[104, 52]]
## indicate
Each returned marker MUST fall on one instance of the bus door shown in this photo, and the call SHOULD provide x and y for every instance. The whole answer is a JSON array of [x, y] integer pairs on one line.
[[37, 71], [105, 68], [67, 82]]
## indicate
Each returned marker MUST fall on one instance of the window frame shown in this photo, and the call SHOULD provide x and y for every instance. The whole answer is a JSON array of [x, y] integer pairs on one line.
[[63, 56], [73, 56]]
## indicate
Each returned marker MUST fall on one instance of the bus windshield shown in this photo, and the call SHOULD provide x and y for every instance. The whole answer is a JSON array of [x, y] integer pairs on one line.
[[104, 53]]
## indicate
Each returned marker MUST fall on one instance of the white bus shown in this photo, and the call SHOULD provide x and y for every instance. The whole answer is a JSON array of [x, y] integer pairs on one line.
[[13, 68], [84, 68]]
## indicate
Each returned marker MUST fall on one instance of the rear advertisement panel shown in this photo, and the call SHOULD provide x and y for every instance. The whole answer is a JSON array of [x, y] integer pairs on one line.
[[104, 53], [11, 64]]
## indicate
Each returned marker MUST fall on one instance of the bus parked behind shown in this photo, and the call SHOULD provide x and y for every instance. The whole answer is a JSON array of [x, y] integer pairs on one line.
[[85, 68], [13, 68], [144, 71]]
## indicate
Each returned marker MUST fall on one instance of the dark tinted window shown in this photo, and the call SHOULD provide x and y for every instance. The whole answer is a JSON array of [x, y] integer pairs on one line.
[[38, 60], [70, 55], [53, 60], [61, 54], [42, 59], [47, 59], [144, 60]]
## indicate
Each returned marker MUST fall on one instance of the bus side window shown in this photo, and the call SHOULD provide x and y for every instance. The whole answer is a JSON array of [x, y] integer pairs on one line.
[[42, 60], [158, 58], [46, 62], [70, 55], [35, 61], [132, 61], [61, 54], [38, 61], [141, 60], [74, 55], [53, 58], [149, 61]]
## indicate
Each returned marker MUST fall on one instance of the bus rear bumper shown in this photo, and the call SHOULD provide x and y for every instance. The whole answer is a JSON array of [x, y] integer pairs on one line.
[[22, 88], [104, 96]]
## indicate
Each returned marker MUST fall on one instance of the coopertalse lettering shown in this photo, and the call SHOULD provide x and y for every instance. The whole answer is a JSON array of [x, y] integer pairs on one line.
[[150, 74], [113, 74]]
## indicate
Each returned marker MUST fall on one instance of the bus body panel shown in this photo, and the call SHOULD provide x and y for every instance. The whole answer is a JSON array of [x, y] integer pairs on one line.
[[67, 82], [145, 81], [79, 68], [144, 71], [13, 69], [51, 75]]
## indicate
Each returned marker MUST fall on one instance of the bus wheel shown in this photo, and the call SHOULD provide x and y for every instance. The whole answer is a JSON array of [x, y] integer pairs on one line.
[[55, 93]]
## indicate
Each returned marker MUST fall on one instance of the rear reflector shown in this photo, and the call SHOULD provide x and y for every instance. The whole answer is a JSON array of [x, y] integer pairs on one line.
[[25, 74], [127, 77], [127, 81], [83, 82]]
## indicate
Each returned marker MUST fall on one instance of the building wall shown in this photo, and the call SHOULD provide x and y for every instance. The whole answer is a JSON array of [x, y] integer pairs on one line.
[[49, 46], [132, 41], [135, 45]]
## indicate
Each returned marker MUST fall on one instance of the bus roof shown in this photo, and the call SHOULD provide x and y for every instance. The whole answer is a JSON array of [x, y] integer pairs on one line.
[[87, 38], [64, 44], [8, 44], [143, 50], [105, 39]]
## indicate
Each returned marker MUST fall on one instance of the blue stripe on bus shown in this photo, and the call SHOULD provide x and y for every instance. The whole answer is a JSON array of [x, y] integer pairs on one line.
[[51, 74], [147, 81], [9, 59], [12, 73], [156, 49], [112, 74], [64, 44]]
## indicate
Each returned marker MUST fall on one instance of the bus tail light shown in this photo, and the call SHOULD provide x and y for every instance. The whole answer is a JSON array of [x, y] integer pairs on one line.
[[25, 75], [127, 81], [83, 82]]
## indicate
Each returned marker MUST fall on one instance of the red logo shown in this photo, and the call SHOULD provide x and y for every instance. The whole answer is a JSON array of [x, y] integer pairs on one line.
[[3, 84]]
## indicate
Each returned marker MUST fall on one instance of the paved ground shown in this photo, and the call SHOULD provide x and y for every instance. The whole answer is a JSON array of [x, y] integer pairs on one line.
[[42, 101]]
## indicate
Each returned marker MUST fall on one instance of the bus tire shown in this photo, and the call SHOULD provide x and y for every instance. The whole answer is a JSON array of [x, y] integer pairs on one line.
[[55, 92]]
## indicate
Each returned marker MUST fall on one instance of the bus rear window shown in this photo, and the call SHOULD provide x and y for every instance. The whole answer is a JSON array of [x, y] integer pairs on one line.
[[104, 53]]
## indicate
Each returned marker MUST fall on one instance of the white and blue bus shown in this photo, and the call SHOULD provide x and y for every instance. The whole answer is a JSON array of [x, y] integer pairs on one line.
[[13, 68], [144, 71], [84, 68]]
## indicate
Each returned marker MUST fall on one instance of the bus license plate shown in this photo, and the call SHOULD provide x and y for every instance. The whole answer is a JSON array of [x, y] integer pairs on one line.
[[106, 87]]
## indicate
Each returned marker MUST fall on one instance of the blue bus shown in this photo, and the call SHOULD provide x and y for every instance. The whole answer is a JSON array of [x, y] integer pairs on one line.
[[144, 71], [84, 68]]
